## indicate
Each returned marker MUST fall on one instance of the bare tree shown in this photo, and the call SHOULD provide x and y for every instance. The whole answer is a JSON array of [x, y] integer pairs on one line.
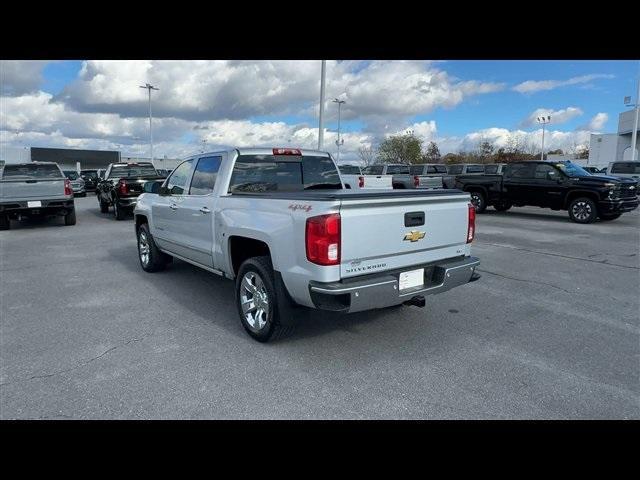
[[367, 155]]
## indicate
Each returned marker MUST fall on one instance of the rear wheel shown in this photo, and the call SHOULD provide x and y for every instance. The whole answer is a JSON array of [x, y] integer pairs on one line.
[[118, 211], [151, 258], [257, 300], [5, 223], [70, 218], [478, 201], [609, 216], [582, 210]]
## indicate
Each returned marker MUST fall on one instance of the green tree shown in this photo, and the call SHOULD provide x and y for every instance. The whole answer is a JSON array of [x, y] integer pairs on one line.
[[485, 151], [406, 148]]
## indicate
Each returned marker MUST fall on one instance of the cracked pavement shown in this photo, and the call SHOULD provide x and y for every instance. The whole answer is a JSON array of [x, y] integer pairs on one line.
[[550, 331]]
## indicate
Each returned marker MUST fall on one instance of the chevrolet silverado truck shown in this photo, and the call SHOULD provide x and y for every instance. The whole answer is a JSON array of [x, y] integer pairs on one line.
[[35, 189], [400, 174], [555, 185], [279, 223], [121, 185], [431, 175], [352, 177]]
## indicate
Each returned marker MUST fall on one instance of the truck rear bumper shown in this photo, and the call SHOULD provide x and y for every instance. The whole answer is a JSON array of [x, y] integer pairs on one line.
[[621, 205], [382, 290], [48, 207], [127, 202]]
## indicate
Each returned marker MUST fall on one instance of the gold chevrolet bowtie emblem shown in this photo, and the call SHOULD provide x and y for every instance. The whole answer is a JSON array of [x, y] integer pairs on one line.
[[414, 236]]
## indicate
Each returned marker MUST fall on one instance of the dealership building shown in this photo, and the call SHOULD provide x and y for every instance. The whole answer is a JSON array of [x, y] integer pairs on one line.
[[73, 159], [614, 147]]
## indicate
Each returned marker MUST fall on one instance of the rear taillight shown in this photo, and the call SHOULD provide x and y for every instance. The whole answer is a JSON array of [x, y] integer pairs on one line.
[[361, 182], [67, 187], [322, 239], [416, 181], [123, 188], [287, 151], [471, 227]]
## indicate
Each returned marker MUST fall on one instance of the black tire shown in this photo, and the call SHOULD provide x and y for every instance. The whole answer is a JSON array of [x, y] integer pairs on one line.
[[609, 216], [5, 223], [156, 260], [104, 207], [478, 201], [502, 206], [70, 218], [582, 210], [272, 328], [118, 211]]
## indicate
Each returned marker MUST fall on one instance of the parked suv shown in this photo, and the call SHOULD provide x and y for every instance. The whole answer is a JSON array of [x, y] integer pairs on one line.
[[624, 169]]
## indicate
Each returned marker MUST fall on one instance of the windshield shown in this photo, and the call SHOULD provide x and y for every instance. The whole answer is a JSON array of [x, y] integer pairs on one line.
[[34, 171], [283, 173], [349, 170], [89, 174], [572, 170], [128, 171], [626, 167], [71, 175]]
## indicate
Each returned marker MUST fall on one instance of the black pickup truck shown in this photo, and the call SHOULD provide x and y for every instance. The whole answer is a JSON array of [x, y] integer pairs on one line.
[[554, 185], [122, 184]]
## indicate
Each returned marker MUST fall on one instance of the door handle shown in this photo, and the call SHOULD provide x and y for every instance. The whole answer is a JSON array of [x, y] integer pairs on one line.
[[173, 206], [205, 210]]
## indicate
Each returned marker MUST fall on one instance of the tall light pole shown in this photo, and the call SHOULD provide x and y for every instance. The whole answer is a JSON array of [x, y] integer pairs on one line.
[[338, 141], [323, 74], [634, 133], [543, 120], [150, 87]]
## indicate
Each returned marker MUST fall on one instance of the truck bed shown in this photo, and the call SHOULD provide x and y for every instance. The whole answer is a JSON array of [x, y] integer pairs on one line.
[[349, 194]]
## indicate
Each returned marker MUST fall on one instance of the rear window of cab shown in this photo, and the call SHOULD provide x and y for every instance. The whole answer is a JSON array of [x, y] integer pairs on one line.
[[34, 171]]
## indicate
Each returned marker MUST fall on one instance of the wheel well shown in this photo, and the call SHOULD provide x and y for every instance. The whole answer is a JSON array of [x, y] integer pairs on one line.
[[478, 190], [242, 248], [573, 195], [140, 219]]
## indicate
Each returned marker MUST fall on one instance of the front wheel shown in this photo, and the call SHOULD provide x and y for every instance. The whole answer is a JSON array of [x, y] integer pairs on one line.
[[609, 216], [582, 210], [151, 258], [5, 223], [257, 300], [478, 201]]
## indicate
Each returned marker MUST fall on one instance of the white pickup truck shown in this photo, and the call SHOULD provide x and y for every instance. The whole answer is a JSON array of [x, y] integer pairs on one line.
[[279, 222], [35, 189], [352, 177]]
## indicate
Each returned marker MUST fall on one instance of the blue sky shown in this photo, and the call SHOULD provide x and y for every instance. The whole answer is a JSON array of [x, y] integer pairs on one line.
[[234, 103]]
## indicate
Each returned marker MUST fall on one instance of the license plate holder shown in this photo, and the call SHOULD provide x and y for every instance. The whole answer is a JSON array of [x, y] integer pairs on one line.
[[411, 279], [34, 204]]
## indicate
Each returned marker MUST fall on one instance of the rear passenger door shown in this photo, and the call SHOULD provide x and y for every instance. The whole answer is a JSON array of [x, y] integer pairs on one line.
[[517, 183]]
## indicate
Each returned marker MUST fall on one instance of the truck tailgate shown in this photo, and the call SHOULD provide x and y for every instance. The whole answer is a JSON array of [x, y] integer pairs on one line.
[[377, 181], [45, 188], [381, 234]]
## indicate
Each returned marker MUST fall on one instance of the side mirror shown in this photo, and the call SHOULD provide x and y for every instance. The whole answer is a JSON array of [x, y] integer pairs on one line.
[[163, 191]]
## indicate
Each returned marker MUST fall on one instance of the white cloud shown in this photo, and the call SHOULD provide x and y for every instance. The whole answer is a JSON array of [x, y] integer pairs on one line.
[[532, 86], [596, 123], [557, 116], [18, 77]]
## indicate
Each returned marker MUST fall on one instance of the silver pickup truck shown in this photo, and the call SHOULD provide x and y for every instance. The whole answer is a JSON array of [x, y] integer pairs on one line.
[[278, 222], [35, 189]]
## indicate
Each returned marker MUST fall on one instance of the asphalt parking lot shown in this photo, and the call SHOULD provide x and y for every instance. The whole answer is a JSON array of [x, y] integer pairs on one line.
[[550, 331]]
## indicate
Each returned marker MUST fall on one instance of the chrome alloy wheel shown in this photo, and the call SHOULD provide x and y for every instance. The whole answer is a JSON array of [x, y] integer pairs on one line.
[[254, 300], [581, 211], [143, 248], [476, 200]]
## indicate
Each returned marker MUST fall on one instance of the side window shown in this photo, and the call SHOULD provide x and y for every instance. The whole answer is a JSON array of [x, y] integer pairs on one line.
[[431, 169], [542, 171], [416, 170], [455, 169], [519, 170], [177, 182], [204, 176], [491, 169]]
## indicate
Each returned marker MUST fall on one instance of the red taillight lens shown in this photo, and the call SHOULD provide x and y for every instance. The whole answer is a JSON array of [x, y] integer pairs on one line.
[[123, 188], [67, 187], [361, 182], [416, 181], [323, 239], [471, 228], [286, 151]]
